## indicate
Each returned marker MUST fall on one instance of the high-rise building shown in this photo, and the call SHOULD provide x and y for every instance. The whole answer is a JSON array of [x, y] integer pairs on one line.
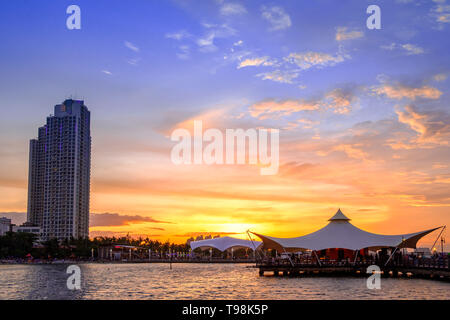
[[59, 173]]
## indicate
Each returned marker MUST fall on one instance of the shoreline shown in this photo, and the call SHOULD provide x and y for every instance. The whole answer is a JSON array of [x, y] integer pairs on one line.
[[58, 262]]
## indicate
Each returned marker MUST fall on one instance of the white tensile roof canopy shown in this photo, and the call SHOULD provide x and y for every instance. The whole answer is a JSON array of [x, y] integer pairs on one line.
[[340, 233], [225, 243]]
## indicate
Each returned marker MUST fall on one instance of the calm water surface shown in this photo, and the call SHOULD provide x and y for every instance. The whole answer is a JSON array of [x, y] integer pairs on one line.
[[198, 281]]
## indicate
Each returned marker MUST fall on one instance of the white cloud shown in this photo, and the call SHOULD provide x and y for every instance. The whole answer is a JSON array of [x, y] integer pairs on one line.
[[229, 9], [184, 52], [339, 101], [306, 60], [412, 49], [133, 62], [131, 46], [342, 33], [254, 62], [441, 13], [279, 76], [107, 72], [275, 109], [432, 126], [399, 91], [206, 43], [440, 77], [277, 17], [407, 48], [179, 35], [207, 40], [391, 46], [284, 71]]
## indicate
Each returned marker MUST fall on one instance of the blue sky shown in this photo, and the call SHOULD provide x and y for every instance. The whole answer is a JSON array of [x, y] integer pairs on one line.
[[338, 91], [37, 44]]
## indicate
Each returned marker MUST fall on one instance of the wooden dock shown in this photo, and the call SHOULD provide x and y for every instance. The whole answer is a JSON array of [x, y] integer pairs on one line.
[[434, 273]]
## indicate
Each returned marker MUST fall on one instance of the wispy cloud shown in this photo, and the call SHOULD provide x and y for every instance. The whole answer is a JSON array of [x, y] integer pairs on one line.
[[133, 62], [274, 108], [282, 76], [206, 42], [288, 68], [306, 60], [352, 151], [229, 8], [107, 72], [254, 62], [303, 123], [432, 126], [440, 77], [400, 91], [412, 49], [184, 53], [277, 17], [131, 46], [339, 100], [115, 219], [441, 13], [407, 48], [179, 35], [342, 33]]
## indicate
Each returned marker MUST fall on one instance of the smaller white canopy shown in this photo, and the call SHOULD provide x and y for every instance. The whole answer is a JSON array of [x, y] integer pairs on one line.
[[224, 243]]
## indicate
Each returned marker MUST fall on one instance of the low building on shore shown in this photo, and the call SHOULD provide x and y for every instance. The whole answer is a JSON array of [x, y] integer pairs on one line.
[[120, 252], [5, 225]]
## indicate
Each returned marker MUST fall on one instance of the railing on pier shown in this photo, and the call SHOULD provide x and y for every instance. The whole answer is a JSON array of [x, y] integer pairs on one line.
[[432, 263]]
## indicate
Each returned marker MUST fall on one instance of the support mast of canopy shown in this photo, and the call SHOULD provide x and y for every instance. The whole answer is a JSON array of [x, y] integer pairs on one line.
[[356, 256], [289, 257], [403, 240], [254, 247], [390, 256], [438, 237], [317, 257]]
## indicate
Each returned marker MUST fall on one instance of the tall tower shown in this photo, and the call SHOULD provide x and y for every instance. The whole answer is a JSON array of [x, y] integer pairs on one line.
[[59, 173]]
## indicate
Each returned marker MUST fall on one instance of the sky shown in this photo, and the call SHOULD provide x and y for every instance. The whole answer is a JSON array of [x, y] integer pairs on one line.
[[363, 113]]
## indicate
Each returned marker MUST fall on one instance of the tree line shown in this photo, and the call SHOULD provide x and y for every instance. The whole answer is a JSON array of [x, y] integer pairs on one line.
[[21, 245]]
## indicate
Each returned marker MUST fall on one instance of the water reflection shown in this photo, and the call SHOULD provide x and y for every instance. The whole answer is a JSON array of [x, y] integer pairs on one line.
[[197, 281]]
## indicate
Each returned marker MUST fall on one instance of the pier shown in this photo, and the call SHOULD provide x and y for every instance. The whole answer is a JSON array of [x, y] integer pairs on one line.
[[428, 271]]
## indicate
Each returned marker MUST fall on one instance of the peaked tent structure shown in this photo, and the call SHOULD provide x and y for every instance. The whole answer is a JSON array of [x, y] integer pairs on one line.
[[339, 216], [224, 243], [340, 233]]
